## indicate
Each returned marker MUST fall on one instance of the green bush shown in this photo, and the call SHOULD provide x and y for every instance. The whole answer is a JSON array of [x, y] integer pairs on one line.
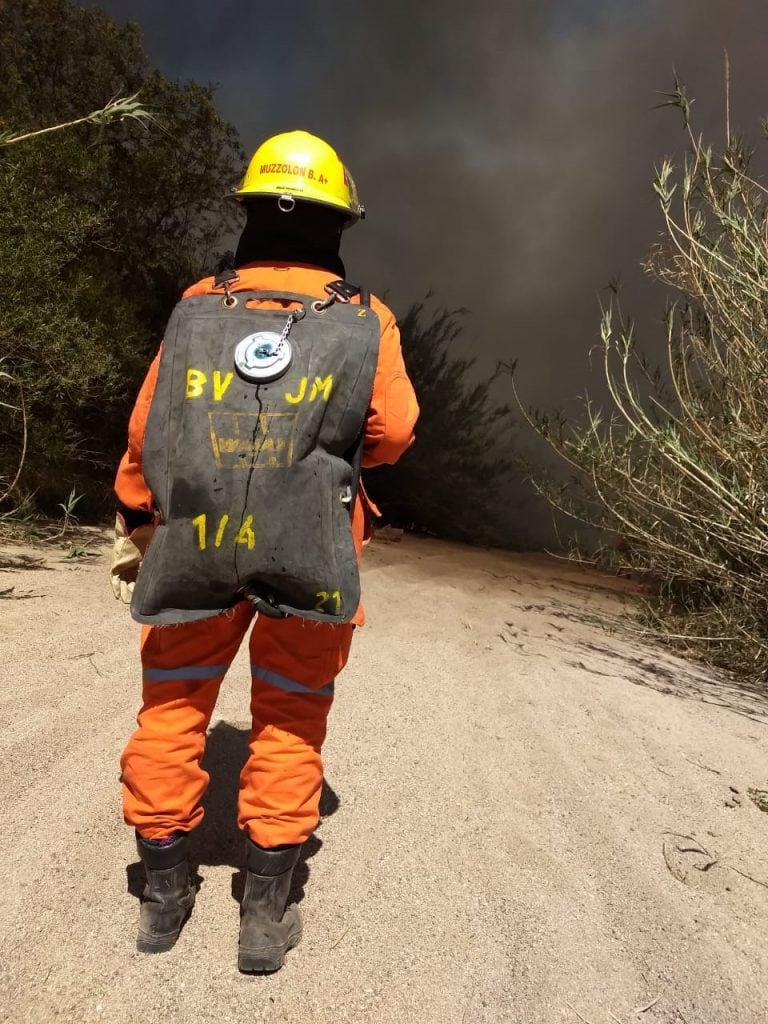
[[101, 227], [453, 482]]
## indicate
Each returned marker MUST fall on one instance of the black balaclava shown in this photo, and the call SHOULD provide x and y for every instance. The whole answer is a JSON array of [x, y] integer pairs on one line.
[[309, 233]]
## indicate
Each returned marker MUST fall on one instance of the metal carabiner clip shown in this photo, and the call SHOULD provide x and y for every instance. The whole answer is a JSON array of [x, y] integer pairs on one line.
[[338, 291], [227, 277]]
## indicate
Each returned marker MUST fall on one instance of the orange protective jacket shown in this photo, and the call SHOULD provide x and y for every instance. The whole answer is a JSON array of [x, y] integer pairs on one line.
[[392, 413]]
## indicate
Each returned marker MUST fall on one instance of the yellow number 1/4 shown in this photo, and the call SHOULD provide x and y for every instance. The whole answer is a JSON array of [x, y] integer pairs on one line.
[[245, 534]]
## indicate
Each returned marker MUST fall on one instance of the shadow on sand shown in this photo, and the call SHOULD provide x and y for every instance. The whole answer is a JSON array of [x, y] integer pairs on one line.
[[218, 841], [660, 671]]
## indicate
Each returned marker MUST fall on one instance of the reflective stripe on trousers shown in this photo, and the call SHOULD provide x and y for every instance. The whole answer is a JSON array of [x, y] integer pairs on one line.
[[294, 663]]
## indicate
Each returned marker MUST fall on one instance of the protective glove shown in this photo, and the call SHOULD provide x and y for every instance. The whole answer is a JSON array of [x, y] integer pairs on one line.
[[127, 555]]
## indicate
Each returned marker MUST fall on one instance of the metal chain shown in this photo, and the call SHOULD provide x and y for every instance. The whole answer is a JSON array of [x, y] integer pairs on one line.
[[293, 318]]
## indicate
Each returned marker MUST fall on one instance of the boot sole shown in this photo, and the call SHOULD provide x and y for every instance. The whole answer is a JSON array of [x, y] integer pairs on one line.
[[262, 962], [147, 945]]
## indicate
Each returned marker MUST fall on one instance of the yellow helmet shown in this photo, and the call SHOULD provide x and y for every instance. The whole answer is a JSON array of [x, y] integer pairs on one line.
[[301, 166]]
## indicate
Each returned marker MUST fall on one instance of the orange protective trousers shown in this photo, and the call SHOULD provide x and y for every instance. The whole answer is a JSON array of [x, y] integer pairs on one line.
[[293, 666]]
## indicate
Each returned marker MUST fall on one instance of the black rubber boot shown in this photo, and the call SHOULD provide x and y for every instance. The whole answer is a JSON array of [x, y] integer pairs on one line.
[[168, 896], [267, 928]]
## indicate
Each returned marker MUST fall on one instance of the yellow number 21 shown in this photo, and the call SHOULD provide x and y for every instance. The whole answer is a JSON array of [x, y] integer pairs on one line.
[[323, 597]]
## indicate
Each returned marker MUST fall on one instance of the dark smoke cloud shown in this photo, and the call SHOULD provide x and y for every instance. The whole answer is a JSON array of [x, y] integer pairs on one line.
[[504, 151]]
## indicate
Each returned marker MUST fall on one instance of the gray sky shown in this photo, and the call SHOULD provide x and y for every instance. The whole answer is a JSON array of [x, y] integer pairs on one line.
[[504, 151]]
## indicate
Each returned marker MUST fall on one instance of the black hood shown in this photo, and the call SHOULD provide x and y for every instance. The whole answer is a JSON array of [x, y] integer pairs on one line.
[[310, 233]]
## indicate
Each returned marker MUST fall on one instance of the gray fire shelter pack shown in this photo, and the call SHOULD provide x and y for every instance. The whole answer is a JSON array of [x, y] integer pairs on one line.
[[254, 481]]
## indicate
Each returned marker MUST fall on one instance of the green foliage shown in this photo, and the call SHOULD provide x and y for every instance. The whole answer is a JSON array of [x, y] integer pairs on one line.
[[115, 110], [68, 507], [81, 552], [101, 226], [451, 483], [677, 468]]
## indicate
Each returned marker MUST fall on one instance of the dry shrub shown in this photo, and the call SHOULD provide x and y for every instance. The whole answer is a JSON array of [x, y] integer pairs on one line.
[[677, 467]]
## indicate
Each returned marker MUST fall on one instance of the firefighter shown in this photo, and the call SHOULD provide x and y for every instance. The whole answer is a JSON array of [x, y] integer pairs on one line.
[[240, 499]]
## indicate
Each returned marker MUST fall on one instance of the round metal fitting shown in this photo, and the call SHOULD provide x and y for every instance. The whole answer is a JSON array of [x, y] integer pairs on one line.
[[229, 301], [263, 357], [286, 204]]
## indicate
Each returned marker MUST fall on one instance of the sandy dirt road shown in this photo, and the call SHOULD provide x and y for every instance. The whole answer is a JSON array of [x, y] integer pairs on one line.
[[526, 817]]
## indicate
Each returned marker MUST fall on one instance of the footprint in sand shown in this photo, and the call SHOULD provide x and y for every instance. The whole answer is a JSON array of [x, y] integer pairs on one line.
[[691, 863]]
